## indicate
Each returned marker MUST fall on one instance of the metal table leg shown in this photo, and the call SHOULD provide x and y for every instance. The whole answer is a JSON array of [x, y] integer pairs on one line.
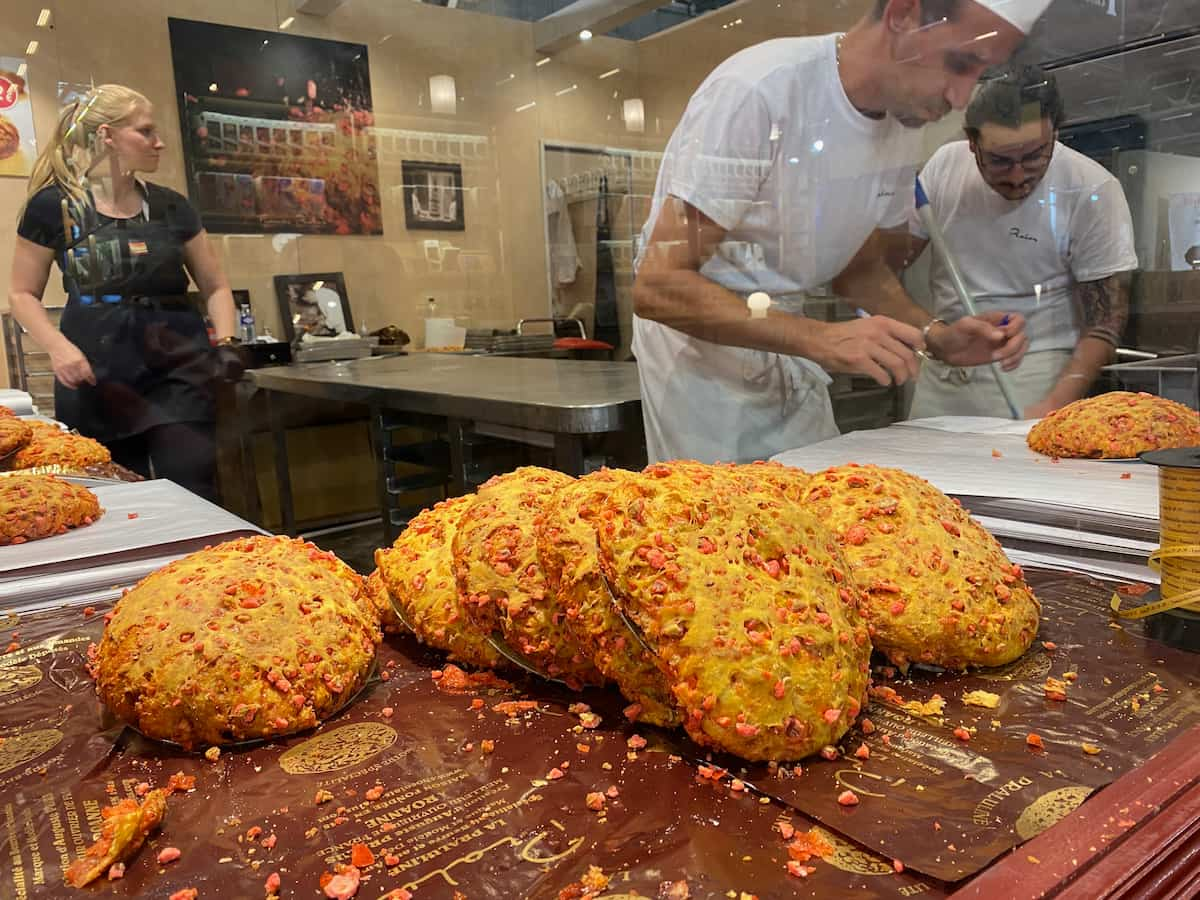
[[243, 398], [456, 430], [283, 478], [568, 453], [380, 441]]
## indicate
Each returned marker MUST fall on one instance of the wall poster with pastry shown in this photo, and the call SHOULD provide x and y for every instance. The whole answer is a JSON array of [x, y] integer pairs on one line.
[[278, 130], [18, 145]]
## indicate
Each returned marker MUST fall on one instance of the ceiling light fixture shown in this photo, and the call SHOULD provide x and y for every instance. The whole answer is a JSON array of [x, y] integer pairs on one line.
[[566, 90], [542, 61], [609, 74], [21, 70], [212, 88], [287, 23], [585, 35], [31, 48], [43, 19], [443, 94], [385, 39], [633, 113], [530, 105]]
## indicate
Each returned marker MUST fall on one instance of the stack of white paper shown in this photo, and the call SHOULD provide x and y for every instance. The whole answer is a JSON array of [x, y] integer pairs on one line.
[[19, 402], [992, 463], [144, 526]]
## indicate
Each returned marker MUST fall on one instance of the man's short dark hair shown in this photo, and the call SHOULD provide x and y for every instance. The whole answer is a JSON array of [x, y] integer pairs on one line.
[[1018, 95], [931, 10]]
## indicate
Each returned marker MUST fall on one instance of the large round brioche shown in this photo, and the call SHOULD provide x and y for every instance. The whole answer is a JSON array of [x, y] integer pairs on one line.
[[567, 549], [49, 445], [380, 598], [38, 506], [254, 638], [14, 434], [418, 570], [1116, 425], [744, 598], [939, 588], [501, 582]]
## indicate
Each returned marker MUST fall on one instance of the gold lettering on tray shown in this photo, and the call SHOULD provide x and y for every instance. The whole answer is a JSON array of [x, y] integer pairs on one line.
[[529, 852], [77, 837], [57, 831], [1033, 665], [983, 816], [31, 843], [849, 858], [428, 824], [907, 739], [1047, 809], [854, 786], [22, 748], [340, 748], [35, 653], [12, 838], [18, 678]]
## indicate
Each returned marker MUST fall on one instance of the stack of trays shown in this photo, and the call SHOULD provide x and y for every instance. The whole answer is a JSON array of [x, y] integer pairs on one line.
[[522, 343]]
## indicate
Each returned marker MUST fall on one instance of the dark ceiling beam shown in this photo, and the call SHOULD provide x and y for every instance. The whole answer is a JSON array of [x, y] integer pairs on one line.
[[560, 29]]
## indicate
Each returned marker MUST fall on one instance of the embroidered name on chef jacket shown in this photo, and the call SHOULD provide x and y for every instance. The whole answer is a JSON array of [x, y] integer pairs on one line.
[[1018, 233]]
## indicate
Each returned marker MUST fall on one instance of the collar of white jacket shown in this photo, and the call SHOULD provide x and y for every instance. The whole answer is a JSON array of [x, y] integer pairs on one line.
[[1021, 13]]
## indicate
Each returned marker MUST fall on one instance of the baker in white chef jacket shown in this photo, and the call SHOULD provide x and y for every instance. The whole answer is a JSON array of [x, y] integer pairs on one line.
[[1037, 229], [787, 159]]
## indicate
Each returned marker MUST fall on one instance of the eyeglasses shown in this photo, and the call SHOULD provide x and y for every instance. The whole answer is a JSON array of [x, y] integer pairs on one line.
[[1030, 162]]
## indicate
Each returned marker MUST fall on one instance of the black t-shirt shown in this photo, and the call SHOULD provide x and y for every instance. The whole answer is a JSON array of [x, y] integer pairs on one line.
[[155, 267]]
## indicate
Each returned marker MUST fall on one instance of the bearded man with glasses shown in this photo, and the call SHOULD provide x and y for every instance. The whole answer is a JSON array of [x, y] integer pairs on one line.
[[1040, 231]]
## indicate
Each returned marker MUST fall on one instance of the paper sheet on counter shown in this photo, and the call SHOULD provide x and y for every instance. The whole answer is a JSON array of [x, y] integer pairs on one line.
[[972, 425], [138, 518], [965, 463], [1052, 535], [19, 402], [1101, 567]]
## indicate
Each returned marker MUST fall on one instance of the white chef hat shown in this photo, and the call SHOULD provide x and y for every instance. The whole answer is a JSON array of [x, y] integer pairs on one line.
[[1021, 13]]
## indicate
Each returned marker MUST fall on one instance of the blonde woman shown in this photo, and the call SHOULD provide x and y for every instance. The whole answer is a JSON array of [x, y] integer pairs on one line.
[[133, 363]]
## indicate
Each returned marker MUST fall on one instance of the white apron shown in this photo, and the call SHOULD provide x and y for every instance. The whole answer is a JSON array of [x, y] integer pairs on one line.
[[714, 403]]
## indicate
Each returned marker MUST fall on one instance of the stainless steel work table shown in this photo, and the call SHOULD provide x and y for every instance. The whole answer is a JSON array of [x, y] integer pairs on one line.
[[552, 403]]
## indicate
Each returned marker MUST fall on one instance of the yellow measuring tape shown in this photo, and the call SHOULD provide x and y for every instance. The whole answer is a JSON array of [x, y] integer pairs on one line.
[[1178, 559]]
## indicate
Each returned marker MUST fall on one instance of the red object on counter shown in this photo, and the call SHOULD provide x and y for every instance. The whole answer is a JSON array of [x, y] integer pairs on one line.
[[574, 343]]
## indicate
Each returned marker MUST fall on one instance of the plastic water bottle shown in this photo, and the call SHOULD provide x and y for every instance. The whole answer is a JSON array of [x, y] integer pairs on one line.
[[247, 324]]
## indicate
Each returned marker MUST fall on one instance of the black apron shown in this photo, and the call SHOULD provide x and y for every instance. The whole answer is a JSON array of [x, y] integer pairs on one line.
[[151, 355]]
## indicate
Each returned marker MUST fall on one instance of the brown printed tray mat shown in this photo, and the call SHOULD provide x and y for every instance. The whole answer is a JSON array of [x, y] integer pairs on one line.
[[453, 819]]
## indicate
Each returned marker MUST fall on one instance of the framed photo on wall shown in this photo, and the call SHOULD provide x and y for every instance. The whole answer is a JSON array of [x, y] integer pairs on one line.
[[313, 303], [433, 196]]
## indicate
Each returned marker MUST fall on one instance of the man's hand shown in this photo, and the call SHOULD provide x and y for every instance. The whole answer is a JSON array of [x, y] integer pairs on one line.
[[978, 340], [880, 347], [71, 367], [1039, 410]]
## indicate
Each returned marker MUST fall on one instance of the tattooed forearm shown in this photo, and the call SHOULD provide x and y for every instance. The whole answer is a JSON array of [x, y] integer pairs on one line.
[[1105, 306]]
